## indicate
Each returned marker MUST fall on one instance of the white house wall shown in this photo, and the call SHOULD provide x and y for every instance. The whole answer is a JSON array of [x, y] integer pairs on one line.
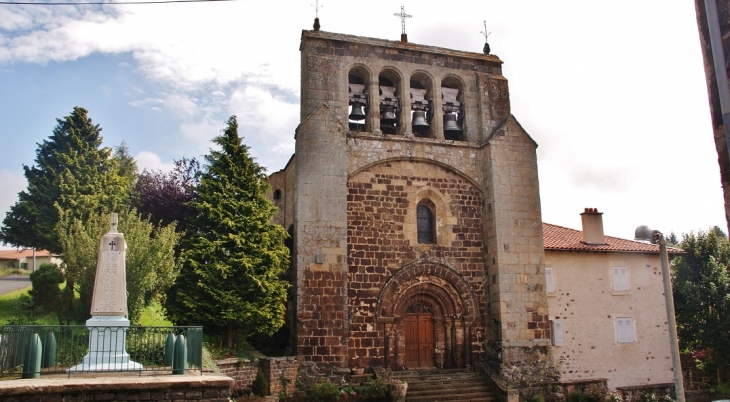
[[586, 304]]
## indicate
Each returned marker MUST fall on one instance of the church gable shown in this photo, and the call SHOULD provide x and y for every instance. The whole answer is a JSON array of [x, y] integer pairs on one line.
[[391, 209]]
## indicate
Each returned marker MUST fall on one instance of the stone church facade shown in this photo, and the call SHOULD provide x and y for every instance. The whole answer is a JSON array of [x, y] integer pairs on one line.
[[412, 245]]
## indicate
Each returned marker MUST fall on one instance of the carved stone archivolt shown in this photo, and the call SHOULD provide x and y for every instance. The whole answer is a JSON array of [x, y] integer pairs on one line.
[[442, 300]]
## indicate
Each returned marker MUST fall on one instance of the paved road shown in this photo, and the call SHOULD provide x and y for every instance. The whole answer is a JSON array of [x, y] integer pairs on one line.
[[12, 283]]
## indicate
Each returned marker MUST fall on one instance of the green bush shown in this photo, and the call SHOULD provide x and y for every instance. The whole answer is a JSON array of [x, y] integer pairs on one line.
[[536, 398], [324, 392], [260, 385], [375, 389], [595, 392], [576, 396], [649, 397], [721, 390]]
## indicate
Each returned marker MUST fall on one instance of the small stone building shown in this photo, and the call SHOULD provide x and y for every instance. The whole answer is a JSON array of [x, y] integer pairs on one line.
[[413, 204]]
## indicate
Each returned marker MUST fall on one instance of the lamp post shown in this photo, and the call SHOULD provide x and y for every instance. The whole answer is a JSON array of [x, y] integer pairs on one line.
[[658, 238]]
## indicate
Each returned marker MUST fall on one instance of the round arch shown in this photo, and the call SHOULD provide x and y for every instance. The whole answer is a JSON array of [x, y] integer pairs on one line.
[[446, 328], [444, 280], [445, 166]]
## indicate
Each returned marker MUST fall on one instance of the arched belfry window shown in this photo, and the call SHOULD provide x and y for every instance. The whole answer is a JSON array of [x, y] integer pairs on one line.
[[426, 224]]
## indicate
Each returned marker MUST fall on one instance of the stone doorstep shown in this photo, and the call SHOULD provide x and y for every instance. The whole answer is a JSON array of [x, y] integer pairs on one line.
[[101, 384], [450, 391], [447, 387], [457, 398]]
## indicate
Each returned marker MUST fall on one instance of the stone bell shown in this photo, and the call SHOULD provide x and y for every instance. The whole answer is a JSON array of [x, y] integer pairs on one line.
[[358, 111], [388, 116], [451, 127], [420, 125]]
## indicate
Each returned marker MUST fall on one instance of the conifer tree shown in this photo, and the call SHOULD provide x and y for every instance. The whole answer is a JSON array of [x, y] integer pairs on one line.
[[234, 255], [72, 174]]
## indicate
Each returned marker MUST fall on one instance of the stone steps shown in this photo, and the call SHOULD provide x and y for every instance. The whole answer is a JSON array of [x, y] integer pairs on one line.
[[453, 385]]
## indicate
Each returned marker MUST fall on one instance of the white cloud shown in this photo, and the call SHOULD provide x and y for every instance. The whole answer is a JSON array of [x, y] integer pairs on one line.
[[152, 103], [269, 120], [620, 112], [150, 161]]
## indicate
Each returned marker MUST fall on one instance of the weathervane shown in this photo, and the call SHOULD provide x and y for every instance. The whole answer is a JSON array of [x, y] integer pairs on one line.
[[486, 38], [403, 16], [316, 14]]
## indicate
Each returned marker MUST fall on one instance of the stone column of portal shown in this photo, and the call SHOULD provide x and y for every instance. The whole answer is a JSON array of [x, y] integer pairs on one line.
[[108, 323]]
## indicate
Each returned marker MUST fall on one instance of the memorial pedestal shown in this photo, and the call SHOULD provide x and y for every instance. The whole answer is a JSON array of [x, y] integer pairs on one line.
[[108, 325], [107, 346]]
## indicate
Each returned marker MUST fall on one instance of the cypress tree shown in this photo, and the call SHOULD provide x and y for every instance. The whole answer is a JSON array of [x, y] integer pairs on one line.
[[72, 175], [233, 255]]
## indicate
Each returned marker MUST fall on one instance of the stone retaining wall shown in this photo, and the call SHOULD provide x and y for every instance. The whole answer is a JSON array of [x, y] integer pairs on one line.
[[206, 388], [241, 370], [280, 372]]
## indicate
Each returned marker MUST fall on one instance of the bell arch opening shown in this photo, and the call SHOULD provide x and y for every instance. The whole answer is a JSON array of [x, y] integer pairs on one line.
[[452, 103], [421, 99], [389, 81], [358, 108]]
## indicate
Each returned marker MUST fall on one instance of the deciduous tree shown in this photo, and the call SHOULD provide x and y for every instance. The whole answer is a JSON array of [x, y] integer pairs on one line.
[[164, 197], [150, 258], [702, 296], [233, 256]]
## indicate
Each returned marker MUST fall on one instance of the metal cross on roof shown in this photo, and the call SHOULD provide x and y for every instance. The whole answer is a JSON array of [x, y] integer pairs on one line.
[[316, 8], [485, 33], [403, 17]]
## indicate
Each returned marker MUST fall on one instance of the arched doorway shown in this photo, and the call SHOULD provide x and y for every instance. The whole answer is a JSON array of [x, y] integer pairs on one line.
[[419, 336], [428, 311]]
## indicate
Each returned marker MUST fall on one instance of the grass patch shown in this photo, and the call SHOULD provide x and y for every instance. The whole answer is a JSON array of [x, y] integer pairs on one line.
[[11, 310], [5, 271]]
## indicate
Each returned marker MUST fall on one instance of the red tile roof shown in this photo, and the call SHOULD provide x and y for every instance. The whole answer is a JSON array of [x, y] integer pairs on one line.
[[22, 253], [558, 238]]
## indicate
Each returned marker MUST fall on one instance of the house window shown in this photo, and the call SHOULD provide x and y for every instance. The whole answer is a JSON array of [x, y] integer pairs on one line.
[[277, 194], [625, 329], [424, 216], [549, 280], [620, 279], [556, 334]]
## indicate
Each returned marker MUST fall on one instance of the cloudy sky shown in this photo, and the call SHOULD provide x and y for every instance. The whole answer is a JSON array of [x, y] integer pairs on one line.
[[612, 91]]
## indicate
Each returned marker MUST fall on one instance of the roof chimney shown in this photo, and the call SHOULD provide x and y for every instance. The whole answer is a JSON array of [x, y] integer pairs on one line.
[[592, 226]]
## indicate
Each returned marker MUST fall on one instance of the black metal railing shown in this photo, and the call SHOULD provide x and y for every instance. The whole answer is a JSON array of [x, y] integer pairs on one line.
[[52, 349]]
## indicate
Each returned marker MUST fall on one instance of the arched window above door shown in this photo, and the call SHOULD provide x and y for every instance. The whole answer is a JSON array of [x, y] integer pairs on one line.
[[426, 224]]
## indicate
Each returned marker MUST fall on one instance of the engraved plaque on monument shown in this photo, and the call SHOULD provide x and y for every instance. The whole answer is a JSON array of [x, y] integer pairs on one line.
[[108, 323], [110, 285]]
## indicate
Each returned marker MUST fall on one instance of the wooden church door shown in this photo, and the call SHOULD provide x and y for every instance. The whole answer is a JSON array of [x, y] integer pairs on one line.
[[419, 338]]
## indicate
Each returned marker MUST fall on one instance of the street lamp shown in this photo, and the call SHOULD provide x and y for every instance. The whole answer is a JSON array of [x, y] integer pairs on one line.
[[658, 238]]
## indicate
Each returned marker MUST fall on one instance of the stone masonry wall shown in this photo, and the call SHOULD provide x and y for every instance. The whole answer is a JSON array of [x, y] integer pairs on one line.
[[207, 388], [280, 372], [515, 256], [382, 239], [319, 240], [242, 371]]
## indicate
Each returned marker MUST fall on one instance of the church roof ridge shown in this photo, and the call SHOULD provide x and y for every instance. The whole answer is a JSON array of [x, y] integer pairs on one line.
[[400, 45]]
